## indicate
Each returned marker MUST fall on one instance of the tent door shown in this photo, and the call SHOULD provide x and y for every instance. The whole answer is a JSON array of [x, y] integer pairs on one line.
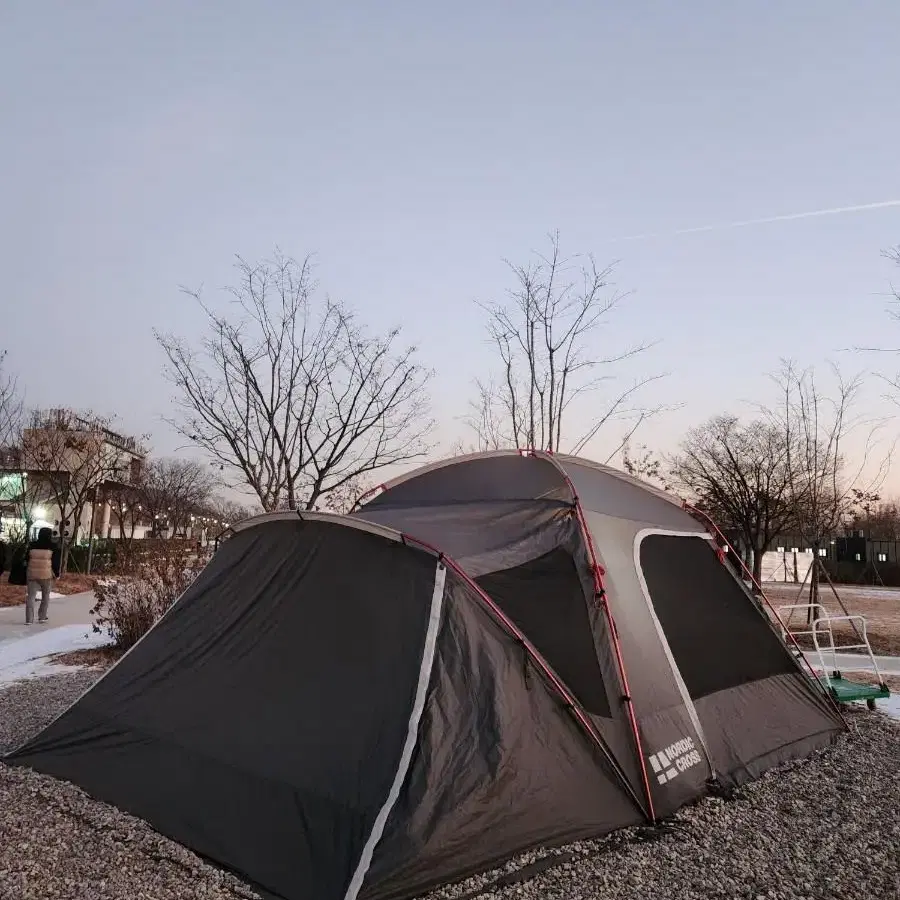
[[676, 672]]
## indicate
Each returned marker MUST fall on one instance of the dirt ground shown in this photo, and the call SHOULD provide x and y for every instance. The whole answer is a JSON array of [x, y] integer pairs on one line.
[[880, 606], [892, 681], [70, 583]]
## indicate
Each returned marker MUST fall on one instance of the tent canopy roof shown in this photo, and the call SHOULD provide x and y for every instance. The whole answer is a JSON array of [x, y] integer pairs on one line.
[[537, 476]]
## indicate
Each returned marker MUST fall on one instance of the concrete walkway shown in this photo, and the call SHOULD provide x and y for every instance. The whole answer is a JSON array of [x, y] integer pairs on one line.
[[26, 650], [73, 609], [858, 662]]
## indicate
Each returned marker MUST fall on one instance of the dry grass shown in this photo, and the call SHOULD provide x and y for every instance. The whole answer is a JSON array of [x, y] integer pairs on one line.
[[11, 594], [93, 657], [880, 607], [70, 583], [75, 583]]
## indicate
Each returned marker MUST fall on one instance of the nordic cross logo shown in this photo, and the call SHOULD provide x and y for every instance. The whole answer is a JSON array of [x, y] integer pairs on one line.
[[674, 759]]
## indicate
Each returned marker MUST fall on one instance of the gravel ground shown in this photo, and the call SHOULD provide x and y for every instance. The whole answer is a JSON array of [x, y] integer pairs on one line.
[[825, 828], [55, 842], [822, 829]]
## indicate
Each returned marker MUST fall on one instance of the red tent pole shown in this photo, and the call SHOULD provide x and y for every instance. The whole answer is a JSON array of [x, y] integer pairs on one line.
[[600, 591], [533, 653]]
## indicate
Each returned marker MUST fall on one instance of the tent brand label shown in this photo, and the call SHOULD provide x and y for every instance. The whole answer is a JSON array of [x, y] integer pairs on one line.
[[674, 759]]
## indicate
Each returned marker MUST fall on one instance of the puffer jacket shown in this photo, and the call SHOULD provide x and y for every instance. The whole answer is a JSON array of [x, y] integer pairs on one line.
[[40, 565]]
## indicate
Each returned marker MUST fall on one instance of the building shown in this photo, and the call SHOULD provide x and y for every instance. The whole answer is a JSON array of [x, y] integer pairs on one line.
[[64, 475]]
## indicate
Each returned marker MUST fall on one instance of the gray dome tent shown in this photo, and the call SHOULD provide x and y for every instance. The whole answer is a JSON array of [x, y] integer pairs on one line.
[[496, 652]]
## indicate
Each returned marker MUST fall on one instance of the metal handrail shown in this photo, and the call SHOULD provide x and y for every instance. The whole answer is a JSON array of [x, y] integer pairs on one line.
[[822, 625], [823, 614], [862, 632]]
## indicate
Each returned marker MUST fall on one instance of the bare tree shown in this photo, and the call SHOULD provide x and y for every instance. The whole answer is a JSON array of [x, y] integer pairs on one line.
[[11, 410], [543, 334], [641, 462], [173, 489], [822, 487], [893, 254], [489, 420], [346, 498], [15, 496], [127, 503], [740, 474], [295, 398], [68, 454], [879, 519], [893, 381], [221, 513]]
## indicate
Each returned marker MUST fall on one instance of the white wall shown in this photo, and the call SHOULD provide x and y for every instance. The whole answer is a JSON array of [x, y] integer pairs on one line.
[[780, 566]]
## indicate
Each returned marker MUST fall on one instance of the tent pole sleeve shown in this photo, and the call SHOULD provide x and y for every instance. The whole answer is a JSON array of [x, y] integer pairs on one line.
[[600, 590], [412, 734], [716, 532], [538, 660]]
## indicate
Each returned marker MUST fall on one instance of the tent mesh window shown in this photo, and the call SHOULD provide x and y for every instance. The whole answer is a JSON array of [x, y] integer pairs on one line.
[[545, 599], [717, 637]]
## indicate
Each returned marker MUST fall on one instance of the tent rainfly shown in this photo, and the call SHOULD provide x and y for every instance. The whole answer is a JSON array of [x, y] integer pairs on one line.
[[497, 652]]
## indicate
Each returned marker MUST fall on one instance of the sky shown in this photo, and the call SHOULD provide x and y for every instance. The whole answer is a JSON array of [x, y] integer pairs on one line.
[[413, 147]]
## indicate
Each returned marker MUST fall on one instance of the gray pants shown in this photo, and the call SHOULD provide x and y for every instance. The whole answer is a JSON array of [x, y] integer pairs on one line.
[[44, 585]]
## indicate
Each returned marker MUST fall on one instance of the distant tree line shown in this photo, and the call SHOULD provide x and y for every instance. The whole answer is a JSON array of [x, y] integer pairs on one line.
[[290, 396]]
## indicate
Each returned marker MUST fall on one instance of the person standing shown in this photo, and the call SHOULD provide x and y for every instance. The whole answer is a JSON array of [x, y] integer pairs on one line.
[[42, 567]]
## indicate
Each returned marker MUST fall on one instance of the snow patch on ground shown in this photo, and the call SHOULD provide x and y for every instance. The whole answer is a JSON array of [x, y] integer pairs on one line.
[[28, 657], [891, 706]]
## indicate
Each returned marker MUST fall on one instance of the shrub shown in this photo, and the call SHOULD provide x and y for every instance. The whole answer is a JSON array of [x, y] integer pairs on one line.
[[128, 607], [104, 557]]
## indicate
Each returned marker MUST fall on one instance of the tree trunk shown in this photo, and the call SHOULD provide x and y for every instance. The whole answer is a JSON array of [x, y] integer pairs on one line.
[[757, 570], [63, 554], [814, 584]]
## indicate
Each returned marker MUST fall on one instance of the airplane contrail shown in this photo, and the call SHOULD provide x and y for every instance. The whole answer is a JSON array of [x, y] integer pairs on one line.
[[834, 211]]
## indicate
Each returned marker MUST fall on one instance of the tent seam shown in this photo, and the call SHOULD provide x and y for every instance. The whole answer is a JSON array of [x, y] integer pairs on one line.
[[412, 735], [601, 595], [557, 683]]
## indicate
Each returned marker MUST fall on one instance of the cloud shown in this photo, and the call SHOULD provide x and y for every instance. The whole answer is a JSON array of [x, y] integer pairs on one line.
[[834, 211]]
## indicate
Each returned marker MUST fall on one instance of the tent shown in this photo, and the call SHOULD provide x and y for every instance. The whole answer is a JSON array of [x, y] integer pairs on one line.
[[496, 652]]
